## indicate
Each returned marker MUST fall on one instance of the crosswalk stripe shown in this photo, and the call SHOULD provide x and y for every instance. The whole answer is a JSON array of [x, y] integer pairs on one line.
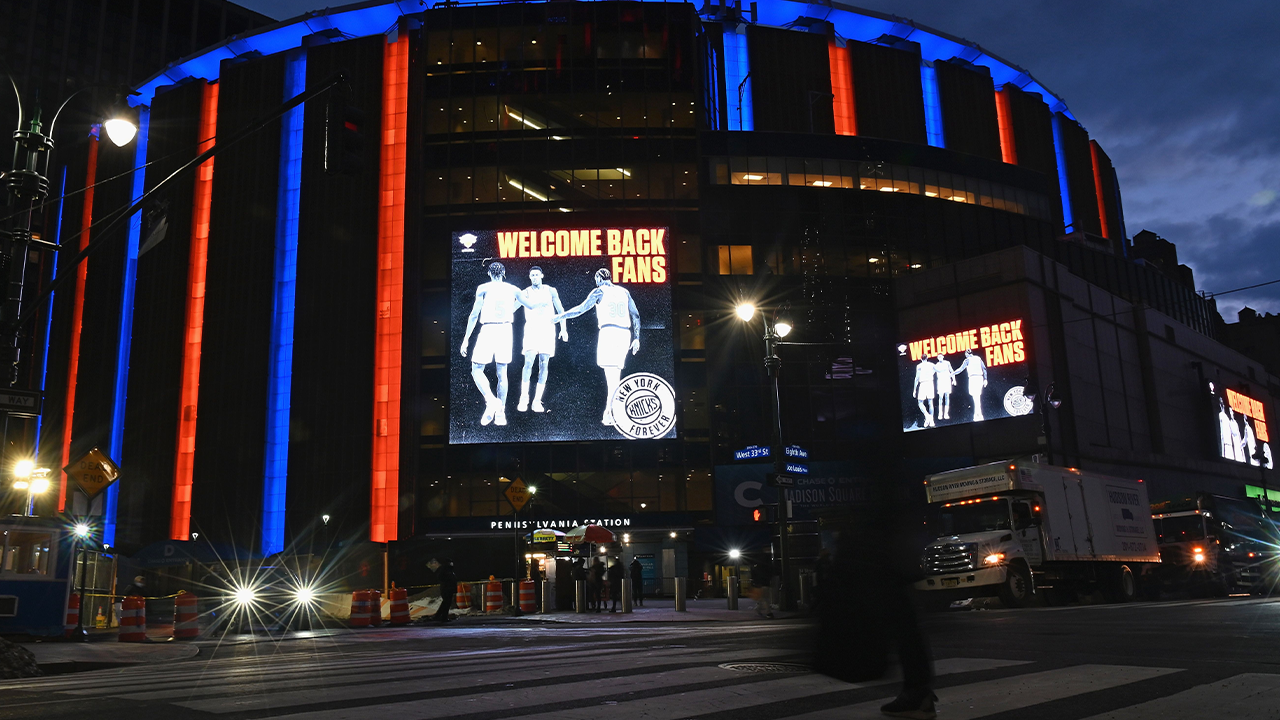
[[974, 700], [409, 679], [1249, 696]]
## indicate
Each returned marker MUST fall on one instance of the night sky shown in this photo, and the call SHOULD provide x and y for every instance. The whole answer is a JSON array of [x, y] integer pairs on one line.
[[1184, 96]]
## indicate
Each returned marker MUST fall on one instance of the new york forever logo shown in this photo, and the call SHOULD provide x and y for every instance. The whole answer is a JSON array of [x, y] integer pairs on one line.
[[467, 241], [644, 406]]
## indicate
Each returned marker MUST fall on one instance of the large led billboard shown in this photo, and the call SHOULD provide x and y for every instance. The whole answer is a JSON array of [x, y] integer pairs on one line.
[[1242, 427], [969, 375], [561, 334]]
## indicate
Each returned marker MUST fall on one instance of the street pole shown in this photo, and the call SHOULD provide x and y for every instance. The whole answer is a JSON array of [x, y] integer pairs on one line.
[[80, 634], [773, 366]]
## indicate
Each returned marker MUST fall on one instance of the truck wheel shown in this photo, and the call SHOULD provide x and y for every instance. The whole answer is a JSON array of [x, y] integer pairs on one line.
[[1122, 586], [1017, 589]]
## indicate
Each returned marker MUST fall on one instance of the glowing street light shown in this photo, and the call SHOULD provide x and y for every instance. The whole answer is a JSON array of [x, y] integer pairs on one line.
[[746, 311]]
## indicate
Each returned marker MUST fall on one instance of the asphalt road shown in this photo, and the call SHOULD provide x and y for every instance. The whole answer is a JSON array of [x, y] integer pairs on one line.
[[1145, 661]]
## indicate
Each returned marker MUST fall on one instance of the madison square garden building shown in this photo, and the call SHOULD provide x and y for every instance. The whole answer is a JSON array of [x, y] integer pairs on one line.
[[267, 342]]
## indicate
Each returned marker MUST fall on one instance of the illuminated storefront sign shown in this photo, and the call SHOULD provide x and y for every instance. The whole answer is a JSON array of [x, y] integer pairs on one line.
[[970, 375], [1242, 427], [561, 334]]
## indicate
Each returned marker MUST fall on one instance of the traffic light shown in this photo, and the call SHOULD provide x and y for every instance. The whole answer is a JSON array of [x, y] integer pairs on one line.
[[764, 514], [343, 134], [757, 515]]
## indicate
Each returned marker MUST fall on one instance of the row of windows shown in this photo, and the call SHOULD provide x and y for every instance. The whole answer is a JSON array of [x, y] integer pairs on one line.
[[876, 176], [631, 492], [664, 181], [558, 116], [542, 45]]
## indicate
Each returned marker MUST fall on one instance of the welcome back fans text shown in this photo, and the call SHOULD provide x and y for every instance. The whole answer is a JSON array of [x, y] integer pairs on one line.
[[635, 255]]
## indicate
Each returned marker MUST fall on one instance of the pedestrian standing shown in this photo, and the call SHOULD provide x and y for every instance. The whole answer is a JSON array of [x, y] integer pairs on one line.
[[448, 580], [597, 585], [616, 574], [761, 582], [637, 582]]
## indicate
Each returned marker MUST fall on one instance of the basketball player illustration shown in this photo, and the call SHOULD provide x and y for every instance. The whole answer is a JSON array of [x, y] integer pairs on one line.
[[495, 309], [923, 391], [539, 336], [946, 381], [977, 372], [619, 324]]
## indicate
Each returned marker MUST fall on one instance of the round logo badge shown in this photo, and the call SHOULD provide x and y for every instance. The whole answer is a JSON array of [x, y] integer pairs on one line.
[[1015, 403], [644, 406]]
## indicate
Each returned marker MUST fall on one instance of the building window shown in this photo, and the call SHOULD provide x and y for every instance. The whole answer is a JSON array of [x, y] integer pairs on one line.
[[735, 260], [693, 333]]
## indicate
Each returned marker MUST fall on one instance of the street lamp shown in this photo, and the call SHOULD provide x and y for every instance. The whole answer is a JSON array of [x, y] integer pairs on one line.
[[26, 476], [1051, 401], [82, 531], [776, 326]]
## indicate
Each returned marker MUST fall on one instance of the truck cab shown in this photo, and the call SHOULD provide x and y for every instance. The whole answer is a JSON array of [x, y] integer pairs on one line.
[[1212, 545], [986, 544]]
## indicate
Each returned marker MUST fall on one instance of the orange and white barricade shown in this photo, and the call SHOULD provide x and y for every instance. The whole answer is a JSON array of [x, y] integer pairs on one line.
[[492, 595], [399, 606], [133, 620], [361, 610], [73, 614], [528, 596], [186, 616], [462, 599], [375, 608]]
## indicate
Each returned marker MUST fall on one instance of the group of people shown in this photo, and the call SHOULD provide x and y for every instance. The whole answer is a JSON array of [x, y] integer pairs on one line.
[[597, 574], [935, 380]]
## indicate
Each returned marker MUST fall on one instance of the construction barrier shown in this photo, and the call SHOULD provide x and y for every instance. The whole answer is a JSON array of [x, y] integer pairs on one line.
[[361, 610], [186, 616], [133, 620], [462, 600], [375, 608], [399, 606], [492, 595], [528, 596], [73, 614]]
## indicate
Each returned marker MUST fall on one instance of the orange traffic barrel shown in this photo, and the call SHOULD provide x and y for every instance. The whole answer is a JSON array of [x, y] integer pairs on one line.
[[133, 619], [73, 614], [360, 608], [493, 596], [399, 606], [375, 608], [528, 596], [462, 599], [186, 617]]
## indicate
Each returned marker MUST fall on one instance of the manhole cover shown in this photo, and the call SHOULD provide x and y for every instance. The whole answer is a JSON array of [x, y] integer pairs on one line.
[[765, 667]]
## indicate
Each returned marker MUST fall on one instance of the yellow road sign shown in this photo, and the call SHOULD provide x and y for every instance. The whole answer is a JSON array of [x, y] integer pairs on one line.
[[517, 494], [93, 472]]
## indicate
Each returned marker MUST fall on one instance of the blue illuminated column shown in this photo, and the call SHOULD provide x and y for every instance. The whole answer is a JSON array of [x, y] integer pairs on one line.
[[279, 381], [1068, 221], [125, 337], [932, 107], [48, 308], [737, 80]]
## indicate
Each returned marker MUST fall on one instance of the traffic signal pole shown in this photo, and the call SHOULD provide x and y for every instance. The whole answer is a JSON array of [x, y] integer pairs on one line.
[[773, 366]]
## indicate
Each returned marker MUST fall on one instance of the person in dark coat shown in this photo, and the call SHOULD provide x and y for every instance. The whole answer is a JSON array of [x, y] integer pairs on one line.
[[637, 581], [448, 580], [596, 585], [137, 588], [616, 573]]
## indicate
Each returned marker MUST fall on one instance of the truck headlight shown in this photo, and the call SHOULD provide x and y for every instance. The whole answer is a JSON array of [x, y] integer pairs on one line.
[[993, 559], [1197, 554]]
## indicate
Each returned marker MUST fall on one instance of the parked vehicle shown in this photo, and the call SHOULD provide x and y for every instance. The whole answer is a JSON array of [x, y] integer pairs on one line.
[[1213, 545], [1014, 528]]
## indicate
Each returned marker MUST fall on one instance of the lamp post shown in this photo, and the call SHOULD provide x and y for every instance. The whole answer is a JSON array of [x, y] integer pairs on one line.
[[81, 532], [1051, 400], [777, 325]]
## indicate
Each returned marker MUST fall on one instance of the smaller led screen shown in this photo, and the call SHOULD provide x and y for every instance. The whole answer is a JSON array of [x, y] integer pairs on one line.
[[1242, 427], [971, 375]]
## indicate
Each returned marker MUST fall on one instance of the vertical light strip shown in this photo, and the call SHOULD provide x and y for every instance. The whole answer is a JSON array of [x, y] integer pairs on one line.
[[48, 308], [125, 339], [932, 106], [184, 462], [1068, 220], [1097, 188], [737, 81], [280, 372], [1004, 117], [77, 318], [385, 499], [842, 89]]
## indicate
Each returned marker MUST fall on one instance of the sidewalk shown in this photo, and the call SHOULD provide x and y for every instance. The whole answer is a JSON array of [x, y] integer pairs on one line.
[[663, 610]]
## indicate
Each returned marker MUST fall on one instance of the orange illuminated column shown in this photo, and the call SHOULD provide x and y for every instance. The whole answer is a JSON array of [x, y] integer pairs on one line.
[[385, 480], [842, 89], [184, 464], [1008, 150], [1097, 188], [77, 317]]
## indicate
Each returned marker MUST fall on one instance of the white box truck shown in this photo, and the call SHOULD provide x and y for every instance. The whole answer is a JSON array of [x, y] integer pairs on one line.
[[1010, 528]]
